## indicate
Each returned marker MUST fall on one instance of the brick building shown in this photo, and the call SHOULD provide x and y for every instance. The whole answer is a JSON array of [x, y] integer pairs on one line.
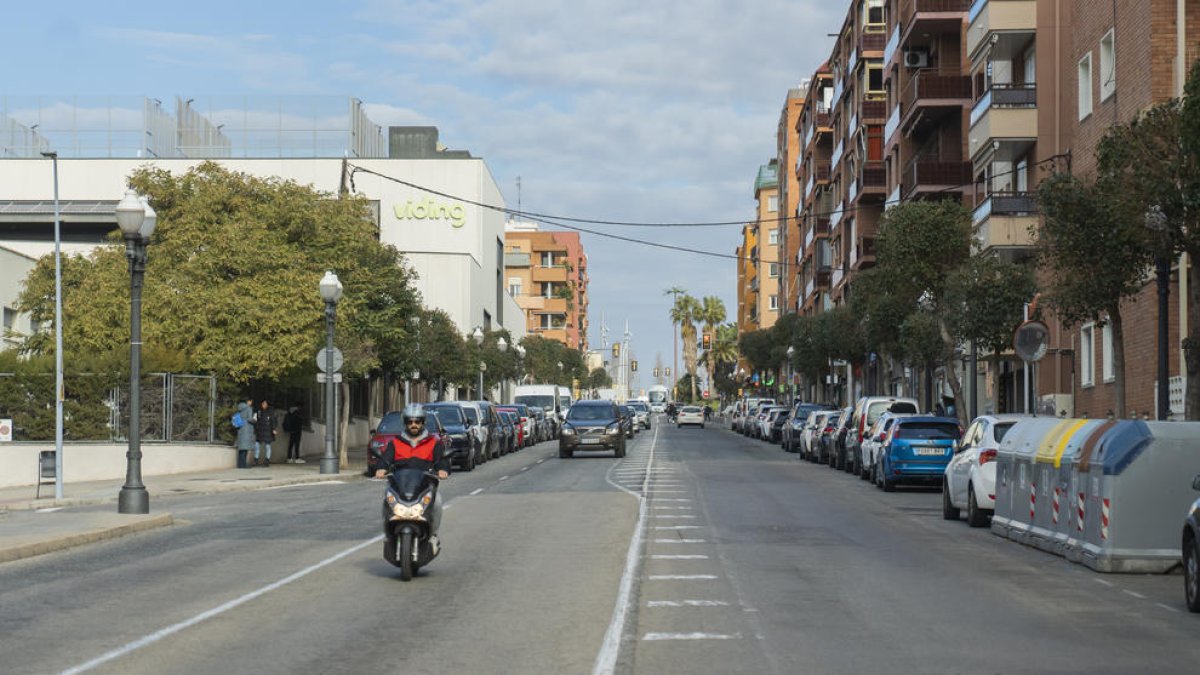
[[547, 274]]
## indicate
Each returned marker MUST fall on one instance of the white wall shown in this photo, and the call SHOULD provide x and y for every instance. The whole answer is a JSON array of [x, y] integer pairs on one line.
[[104, 461], [14, 267]]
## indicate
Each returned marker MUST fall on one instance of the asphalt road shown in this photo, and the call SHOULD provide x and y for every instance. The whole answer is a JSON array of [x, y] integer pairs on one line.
[[744, 559]]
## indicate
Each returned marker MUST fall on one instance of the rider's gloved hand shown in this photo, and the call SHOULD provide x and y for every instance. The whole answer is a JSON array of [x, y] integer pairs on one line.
[[380, 473], [443, 475]]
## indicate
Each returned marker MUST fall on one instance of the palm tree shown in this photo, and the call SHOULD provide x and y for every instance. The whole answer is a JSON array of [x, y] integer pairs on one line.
[[674, 292], [685, 312], [724, 350], [712, 313]]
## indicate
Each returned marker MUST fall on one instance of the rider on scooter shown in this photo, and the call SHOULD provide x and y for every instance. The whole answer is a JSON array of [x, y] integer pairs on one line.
[[416, 448]]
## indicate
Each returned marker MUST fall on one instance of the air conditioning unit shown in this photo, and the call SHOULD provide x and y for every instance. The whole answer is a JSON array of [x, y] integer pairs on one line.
[[916, 58]]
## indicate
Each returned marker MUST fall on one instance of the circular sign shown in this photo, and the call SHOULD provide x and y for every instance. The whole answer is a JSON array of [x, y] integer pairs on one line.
[[1031, 340], [704, 394], [322, 364]]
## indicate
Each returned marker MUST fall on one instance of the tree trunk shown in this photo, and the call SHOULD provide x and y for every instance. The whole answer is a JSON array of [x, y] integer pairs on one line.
[[997, 386], [343, 423], [960, 401], [1192, 356], [1118, 332]]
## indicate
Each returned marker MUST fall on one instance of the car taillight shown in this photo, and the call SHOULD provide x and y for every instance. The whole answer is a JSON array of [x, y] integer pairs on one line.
[[861, 423], [987, 456], [891, 434]]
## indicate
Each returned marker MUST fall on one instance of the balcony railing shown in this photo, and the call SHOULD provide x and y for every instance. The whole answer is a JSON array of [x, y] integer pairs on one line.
[[872, 42], [976, 8], [933, 85], [933, 172], [808, 185], [823, 275], [1006, 204], [874, 175], [908, 8], [836, 216], [821, 172], [874, 110], [516, 260], [837, 276], [1005, 96], [853, 127], [893, 43], [892, 124], [837, 153]]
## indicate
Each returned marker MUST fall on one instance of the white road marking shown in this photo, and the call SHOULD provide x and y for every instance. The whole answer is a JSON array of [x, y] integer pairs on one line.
[[221, 609], [665, 516], [687, 603], [293, 485], [681, 577], [679, 527], [681, 541], [1136, 595], [1168, 607], [667, 492], [51, 509], [679, 557], [503, 478], [673, 508], [540, 461], [524, 468], [1106, 583], [691, 636], [673, 499], [477, 491]]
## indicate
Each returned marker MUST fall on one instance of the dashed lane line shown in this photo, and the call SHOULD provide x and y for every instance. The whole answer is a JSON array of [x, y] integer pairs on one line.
[[682, 577], [650, 637], [476, 491], [687, 603], [668, 556]]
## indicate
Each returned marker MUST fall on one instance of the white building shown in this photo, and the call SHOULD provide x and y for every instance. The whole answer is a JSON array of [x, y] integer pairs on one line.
[[14, 267]]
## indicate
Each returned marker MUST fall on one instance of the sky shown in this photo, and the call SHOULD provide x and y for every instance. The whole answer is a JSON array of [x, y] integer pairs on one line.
[[657, 111]]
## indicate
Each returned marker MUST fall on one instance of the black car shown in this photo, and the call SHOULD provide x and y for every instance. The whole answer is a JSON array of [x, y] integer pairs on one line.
[[628, 420], [780, 420], [390, 427], [462, 447], [842, 458], [592, 425], [1191, 553]]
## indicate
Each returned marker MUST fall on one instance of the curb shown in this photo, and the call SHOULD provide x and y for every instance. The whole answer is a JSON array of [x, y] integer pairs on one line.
[[71, 541]]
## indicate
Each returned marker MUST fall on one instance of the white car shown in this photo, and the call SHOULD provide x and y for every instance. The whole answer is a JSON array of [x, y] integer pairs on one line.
[[873, 440], [970, 478], [816, 422], [689, 414]]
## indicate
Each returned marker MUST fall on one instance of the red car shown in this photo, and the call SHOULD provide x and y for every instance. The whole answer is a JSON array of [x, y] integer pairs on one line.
[[390, 427], [525, 425]]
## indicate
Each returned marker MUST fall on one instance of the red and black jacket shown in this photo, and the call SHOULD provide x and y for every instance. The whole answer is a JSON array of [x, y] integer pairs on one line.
[[428, 452]]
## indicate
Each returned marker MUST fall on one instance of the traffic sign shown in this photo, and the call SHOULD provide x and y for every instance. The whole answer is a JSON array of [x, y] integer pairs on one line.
[[6, 431], [1031, 340], [337, 360], [321, 377], [704, 394]]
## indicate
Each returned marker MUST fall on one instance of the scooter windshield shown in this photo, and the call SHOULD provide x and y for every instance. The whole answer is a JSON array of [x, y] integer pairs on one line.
[[408, 483]]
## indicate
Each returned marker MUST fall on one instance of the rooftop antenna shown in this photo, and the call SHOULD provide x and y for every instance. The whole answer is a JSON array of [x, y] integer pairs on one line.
[[518, 196]]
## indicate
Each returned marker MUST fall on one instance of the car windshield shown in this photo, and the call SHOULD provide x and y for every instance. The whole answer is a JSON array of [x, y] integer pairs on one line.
[[586, 413], [691, 409], [391, 424], [449, 415], [541, 401], [472, 415], [1001, 429], [640, 407], [928, 430], [879, 407]]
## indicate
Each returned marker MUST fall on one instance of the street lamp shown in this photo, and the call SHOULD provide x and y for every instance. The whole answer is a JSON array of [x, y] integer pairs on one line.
[[477, 335], [59, 392], [136, 220], [1156, 222], [482, 370], [791, 351], [502, 345], [331, 292]]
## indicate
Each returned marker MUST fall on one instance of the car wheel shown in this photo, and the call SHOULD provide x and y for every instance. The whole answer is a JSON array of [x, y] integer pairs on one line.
[[620, 451], [702, 425], [976, 517], [564, 453], [948, 510], [469, 463], [1191, 573]]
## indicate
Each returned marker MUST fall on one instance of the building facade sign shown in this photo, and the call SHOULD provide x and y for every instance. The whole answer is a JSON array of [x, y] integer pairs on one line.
[[428, 209]]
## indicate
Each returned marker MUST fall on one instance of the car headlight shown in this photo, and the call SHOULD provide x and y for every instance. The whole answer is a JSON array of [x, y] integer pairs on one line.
[[568, 430], [458, 438], [614, 428]]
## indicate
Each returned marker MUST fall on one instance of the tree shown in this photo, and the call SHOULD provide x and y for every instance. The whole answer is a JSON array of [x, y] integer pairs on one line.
[[1091, 249], [599, 379], [712, 313], [685, 312], [542, 356]]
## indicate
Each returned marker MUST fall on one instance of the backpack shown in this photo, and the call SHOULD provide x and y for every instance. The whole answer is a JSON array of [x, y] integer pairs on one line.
[[237, 420]]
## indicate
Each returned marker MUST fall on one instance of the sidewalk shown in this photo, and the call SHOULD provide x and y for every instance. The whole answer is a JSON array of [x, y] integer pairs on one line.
[[30, 527]]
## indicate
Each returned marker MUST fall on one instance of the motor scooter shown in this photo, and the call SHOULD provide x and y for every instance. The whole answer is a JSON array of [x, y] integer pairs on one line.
[[411, 515]]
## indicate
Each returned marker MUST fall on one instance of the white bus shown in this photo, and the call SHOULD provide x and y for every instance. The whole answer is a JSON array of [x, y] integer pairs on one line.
[[658, 395]]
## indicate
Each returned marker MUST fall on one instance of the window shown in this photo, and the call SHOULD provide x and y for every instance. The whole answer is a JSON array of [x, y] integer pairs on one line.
[[773, 237], [1085, 86], [773, 270], [773, 204], [1108, 365], [547, 259], [1108, 66], [514, 286], [875, 89], [10, 317], [35, 326], [874, 18], [774, 302], [1087, 355]]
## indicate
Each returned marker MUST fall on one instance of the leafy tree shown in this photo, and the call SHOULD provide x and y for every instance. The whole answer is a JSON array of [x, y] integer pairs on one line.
[[712, 313], [686, 312], [1091, 249], [542, 356], [441, 354], [599, 379]]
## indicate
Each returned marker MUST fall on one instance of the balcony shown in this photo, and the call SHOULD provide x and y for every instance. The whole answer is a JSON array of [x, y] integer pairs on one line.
[[872, 42], [893, 44], [933, 16], [893, 123], [874, 111], [513, 260], [557, 334], [823, 277], [821, 173], [998, 17], [930, 91], [1005, 112], [863, 253], [1005, 220], [824, 123], [934, 175], [555, 273], [837, 153], [873, 179], [554, 305]]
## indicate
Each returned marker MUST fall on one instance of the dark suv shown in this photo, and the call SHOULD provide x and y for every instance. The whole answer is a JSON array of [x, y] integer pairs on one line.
[[461, 446], [592, 425]]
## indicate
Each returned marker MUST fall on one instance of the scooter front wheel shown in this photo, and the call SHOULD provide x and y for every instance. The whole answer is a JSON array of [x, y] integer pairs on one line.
[[405, 555]]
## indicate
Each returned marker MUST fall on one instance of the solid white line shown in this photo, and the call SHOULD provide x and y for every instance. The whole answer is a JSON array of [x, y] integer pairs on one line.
[[681, 541], [1168, 607], [1101, 581], [687, 603], [477, 491], [292, 485], [51, 509], [680, 577], [221, 609], [1136, 595], [691, 636], [673, 499], [665, 516], [503, 478], [673, 508], [610, 649], [679, 527], [679, 557]]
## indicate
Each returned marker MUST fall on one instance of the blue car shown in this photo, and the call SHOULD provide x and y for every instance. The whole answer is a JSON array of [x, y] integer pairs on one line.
[[917, 450]]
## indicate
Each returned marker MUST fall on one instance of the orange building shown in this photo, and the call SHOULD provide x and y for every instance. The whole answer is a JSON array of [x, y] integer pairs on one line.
[[547, 274]]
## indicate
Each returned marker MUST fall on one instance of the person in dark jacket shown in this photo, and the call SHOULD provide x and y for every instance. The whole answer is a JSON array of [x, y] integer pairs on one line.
[[264, 433], [293, 424], [245, 433]]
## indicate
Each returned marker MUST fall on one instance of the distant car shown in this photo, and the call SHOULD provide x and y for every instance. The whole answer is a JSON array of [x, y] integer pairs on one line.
[[690, 414], [777, 424], [462, 447], [841, 458], [970, 477], [811, 436], [866, 411], [591, 425], [824, 438], [796, 423], [768, 420], [917, 450], [390, 427], [643, 412], [522, 412], [628, 420], [872, 441], [517, 437]]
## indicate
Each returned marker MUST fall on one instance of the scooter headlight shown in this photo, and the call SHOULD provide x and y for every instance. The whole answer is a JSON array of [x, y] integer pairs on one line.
[[407, 512]]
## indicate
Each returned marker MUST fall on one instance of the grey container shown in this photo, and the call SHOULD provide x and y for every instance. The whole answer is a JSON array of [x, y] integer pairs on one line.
[[1014, 461], [1054, 471]]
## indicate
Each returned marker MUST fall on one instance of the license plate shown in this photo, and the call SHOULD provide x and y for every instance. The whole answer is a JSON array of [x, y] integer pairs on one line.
[[590, 441], [929, 452]]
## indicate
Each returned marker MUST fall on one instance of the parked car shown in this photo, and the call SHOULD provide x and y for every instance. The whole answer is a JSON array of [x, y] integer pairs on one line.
[[767, 421], [873, 441], [866, 411], [643, 412], [628, 420], [522, 412], [777, 424], [591, 425], [842, 459], [794, 427], [518, 439], [509, 427], [970, 477], [541, 426], [483, 415], [824, 438], [461, 445], [1191, 553], [808, 440], [390, 427], [689, 414], [917, 450]]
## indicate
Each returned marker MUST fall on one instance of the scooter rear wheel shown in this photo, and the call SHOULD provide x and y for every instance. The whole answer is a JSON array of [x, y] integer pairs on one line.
[[406, 556]]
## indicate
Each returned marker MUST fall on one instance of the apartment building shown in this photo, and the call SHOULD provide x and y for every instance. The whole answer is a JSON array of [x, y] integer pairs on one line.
[[815, 128], [787, 144], [770, 227], [748, 259], [547, 274]]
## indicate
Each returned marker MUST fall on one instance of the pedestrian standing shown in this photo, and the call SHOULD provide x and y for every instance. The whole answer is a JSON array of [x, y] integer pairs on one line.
[[244, 424], [264, 433], [293, 424]]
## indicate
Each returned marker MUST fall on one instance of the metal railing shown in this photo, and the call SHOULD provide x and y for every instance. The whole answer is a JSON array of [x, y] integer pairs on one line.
[[935, 85]]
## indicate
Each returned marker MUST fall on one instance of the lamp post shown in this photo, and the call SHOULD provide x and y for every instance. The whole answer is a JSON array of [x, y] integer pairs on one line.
[[331, 292], [477, 337], [502, 345], [791, 351], [1156, 222], [136, 220], [59, 392]]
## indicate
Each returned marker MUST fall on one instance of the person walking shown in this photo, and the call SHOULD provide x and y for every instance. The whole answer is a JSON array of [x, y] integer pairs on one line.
[[245, 432], [293, 424], [264, 433]]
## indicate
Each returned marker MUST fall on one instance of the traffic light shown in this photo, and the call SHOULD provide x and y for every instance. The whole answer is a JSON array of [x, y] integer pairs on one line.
[[616, 350], [633, 366], [656, 372], [668, 369], [706, 341]]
